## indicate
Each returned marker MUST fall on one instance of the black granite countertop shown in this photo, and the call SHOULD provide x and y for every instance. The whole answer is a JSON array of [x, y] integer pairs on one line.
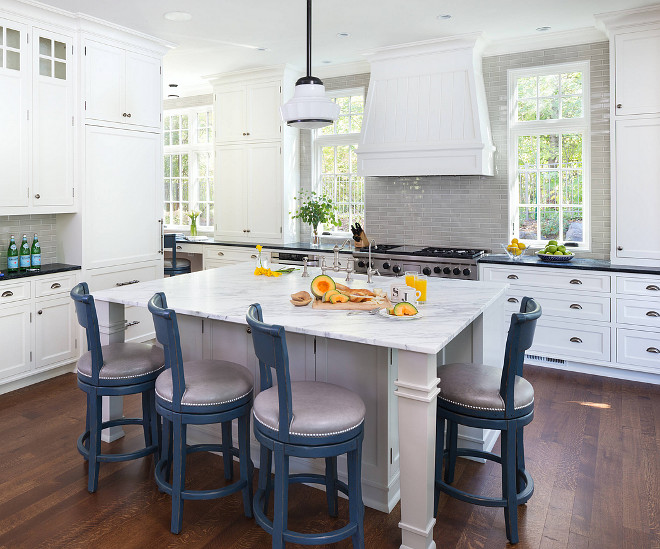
[[291, 246], [50, 268], [576, 263]]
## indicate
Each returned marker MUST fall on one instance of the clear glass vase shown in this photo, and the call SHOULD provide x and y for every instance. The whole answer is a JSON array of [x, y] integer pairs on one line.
[[193, 227]]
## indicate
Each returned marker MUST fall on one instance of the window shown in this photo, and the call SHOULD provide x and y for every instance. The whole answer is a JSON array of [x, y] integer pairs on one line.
[[336, 161], [188, 167], [549, 153]]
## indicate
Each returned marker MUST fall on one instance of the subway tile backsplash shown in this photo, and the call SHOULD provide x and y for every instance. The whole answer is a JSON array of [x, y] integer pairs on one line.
[[18, 225]]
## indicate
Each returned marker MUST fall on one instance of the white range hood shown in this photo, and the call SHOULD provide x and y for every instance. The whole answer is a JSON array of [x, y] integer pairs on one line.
[[426, 111]]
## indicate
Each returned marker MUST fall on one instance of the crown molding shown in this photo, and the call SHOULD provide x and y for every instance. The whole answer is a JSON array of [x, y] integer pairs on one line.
[[619, 20], [543, 41], [341, 69]]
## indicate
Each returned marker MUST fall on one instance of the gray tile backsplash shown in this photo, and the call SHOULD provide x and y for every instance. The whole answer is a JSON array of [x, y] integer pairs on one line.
[[18, 225]]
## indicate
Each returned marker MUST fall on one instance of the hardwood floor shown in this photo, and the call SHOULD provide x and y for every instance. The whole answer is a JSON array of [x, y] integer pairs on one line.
[[593, 450]]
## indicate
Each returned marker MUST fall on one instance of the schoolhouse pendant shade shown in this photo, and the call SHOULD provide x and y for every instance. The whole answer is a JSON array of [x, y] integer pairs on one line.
[[309, 108]]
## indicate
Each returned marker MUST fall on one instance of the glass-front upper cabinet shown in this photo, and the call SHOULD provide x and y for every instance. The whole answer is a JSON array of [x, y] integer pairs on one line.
[[14, 113]]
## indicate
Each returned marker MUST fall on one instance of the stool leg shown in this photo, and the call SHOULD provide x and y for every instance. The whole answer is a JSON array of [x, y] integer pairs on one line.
[[509, 483], [245, 462], [94, 442], [226, 450], [166, 452], [179, 474], [331, 485], [520, 460], [265, 467], [355, 504], [280, 513], [155, 425], [439, 458], [452, 444], [87, 397], [146, 418]]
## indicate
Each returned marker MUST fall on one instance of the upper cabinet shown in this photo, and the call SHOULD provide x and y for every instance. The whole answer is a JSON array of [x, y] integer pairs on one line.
[[120, 86], [637, 79]]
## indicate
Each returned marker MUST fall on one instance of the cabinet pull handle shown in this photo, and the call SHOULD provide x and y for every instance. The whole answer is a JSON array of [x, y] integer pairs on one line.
[[620, 248], [512, 300], [179, 248], [37, 196], [653, 350], [247, 231], [653, 288], [576, 306], [132, 323], [123, 114], [127, 283], [576, 281], [221, 253], [128, 115], [40, 312], [512, 277], [653, 314], [55, 286], [162, 237], [253, 256], [249, 330], [7, 294], [619, 105], [576, 340]]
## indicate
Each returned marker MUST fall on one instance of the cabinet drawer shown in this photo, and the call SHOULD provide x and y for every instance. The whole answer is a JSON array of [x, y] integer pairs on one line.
[[230, 253], [638, 286], [215, 263], [15, 291], [638, 312], [188, 248], [102, 279], [54, 285], [576, 307], [573, 341], [549, 278], [639, 348]]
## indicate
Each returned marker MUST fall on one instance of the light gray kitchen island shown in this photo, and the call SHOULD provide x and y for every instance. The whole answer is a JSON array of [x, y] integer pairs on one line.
[[390, 363]]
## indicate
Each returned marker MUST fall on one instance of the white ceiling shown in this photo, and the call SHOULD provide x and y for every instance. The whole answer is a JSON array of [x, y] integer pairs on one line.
[[223, 34]]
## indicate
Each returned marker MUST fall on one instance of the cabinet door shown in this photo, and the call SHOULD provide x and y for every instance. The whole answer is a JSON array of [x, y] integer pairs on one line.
[[637, 76], [124, 198], [104, 82], [264, 192], [52, 126], [637, 189], [15, 329], [230, 123], [14, 107], [263, 102], [230, 191], [54, 331], [143, 90]]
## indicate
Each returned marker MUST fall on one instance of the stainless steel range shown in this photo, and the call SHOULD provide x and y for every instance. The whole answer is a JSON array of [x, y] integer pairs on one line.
[[395, 260]]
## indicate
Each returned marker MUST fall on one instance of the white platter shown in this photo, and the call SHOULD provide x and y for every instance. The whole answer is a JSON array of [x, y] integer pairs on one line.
[[384, 313]]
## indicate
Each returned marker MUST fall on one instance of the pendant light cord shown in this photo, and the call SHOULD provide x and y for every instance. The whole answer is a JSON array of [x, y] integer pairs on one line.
[[309, 38]]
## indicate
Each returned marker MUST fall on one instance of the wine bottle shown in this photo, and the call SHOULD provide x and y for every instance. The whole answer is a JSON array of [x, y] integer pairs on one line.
[[24, 255], [12, 256], [35, 253]]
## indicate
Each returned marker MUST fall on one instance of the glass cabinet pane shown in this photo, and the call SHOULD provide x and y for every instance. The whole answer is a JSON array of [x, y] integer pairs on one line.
[[2, 36], [60, 50], [13, 39], [13, 60], [45, 68], [45, 46], [60, 70]]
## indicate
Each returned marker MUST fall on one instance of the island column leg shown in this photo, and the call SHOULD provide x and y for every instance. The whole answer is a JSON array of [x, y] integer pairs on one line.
[[111, 329], [417, 389]]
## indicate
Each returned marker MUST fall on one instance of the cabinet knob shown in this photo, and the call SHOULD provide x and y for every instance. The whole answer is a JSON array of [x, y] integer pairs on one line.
[[653, 350], [7, 294], [512, 277], [576, 281], [37, 196], [249, 330], [620, 248], [576, 340], [248, 133], [128, 115], [244, 133], [40, 312], [123, 114], [576, 306], [247, 231], [619, 105]]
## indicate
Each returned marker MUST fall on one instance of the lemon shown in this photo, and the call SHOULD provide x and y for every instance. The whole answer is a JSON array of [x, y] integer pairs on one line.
[[521, 245], [514, 241]]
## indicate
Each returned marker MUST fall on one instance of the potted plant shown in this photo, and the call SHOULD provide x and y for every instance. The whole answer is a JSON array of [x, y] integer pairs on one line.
[[314, 209]]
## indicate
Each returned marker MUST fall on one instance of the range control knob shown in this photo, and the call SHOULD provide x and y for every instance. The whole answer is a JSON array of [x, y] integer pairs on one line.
[[456, 271], [361, 264], [426, 271], [386, 265], [446, 270], [437, 270], [396, 269], [466, 272]]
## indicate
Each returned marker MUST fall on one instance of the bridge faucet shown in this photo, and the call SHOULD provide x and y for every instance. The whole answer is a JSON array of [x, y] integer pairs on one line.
[[370, 270]]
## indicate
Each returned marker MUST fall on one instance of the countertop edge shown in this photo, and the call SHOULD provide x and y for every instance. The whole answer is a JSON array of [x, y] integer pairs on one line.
[[48, 269], [576, 264]]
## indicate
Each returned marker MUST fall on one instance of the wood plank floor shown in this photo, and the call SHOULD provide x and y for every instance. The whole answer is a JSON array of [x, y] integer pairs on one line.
[[593, 450]]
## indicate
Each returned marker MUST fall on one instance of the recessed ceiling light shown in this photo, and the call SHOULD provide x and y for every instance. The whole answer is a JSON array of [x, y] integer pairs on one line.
[[543, 29], [326, 62], [343, 34], [443, 16], [178, 16], [262, 49]]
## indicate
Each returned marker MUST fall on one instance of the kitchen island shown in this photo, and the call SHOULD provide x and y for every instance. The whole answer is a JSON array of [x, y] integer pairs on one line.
[[390, 363]]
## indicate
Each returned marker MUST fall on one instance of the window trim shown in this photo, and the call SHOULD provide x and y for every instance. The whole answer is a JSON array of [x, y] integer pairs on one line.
[[517, 128]]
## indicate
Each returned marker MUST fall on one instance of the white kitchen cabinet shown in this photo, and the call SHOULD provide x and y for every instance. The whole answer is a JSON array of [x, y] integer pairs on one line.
[[637, 78], [55, 331], [220, 256], [15, 329], [123, 204], [231, 198], [636, 198], [121, 86]]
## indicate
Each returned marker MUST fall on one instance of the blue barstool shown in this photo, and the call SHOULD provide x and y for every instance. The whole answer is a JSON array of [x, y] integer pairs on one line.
[[303, 419], [489, 398], [117, 369], [199, 392], [174, 266]]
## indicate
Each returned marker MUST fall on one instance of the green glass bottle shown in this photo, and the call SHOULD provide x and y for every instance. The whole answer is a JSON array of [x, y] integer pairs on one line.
[[24, 255], [35, 253], [12, 256]]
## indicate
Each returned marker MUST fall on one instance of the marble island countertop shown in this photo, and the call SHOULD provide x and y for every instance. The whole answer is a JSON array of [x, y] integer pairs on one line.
[[225, 294]]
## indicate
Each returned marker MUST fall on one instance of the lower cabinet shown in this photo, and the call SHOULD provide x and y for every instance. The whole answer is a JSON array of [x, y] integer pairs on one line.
[[221, 256], [15, 330], [54, 330]]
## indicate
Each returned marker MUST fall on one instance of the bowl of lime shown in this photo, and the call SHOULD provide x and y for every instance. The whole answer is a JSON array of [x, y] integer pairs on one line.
[[555, 253]]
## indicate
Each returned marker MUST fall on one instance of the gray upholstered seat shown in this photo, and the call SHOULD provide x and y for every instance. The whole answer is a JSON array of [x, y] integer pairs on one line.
[[124, 361], [319, 409], [181, 262], [208, 383], [477, 387]]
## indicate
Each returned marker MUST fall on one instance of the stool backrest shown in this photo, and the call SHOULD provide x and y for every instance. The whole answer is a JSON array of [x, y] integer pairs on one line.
[[86, 313], [169, 242], [520, 338], [167, 334], [270, 347]]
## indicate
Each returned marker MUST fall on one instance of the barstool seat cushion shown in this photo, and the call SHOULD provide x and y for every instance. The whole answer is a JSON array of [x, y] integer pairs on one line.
[[181, 263], [125, 361], [474, 389], [209, 383], [319, 409]]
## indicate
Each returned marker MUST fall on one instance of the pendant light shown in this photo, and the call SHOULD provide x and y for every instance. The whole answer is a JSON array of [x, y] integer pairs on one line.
[[309, 108]]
